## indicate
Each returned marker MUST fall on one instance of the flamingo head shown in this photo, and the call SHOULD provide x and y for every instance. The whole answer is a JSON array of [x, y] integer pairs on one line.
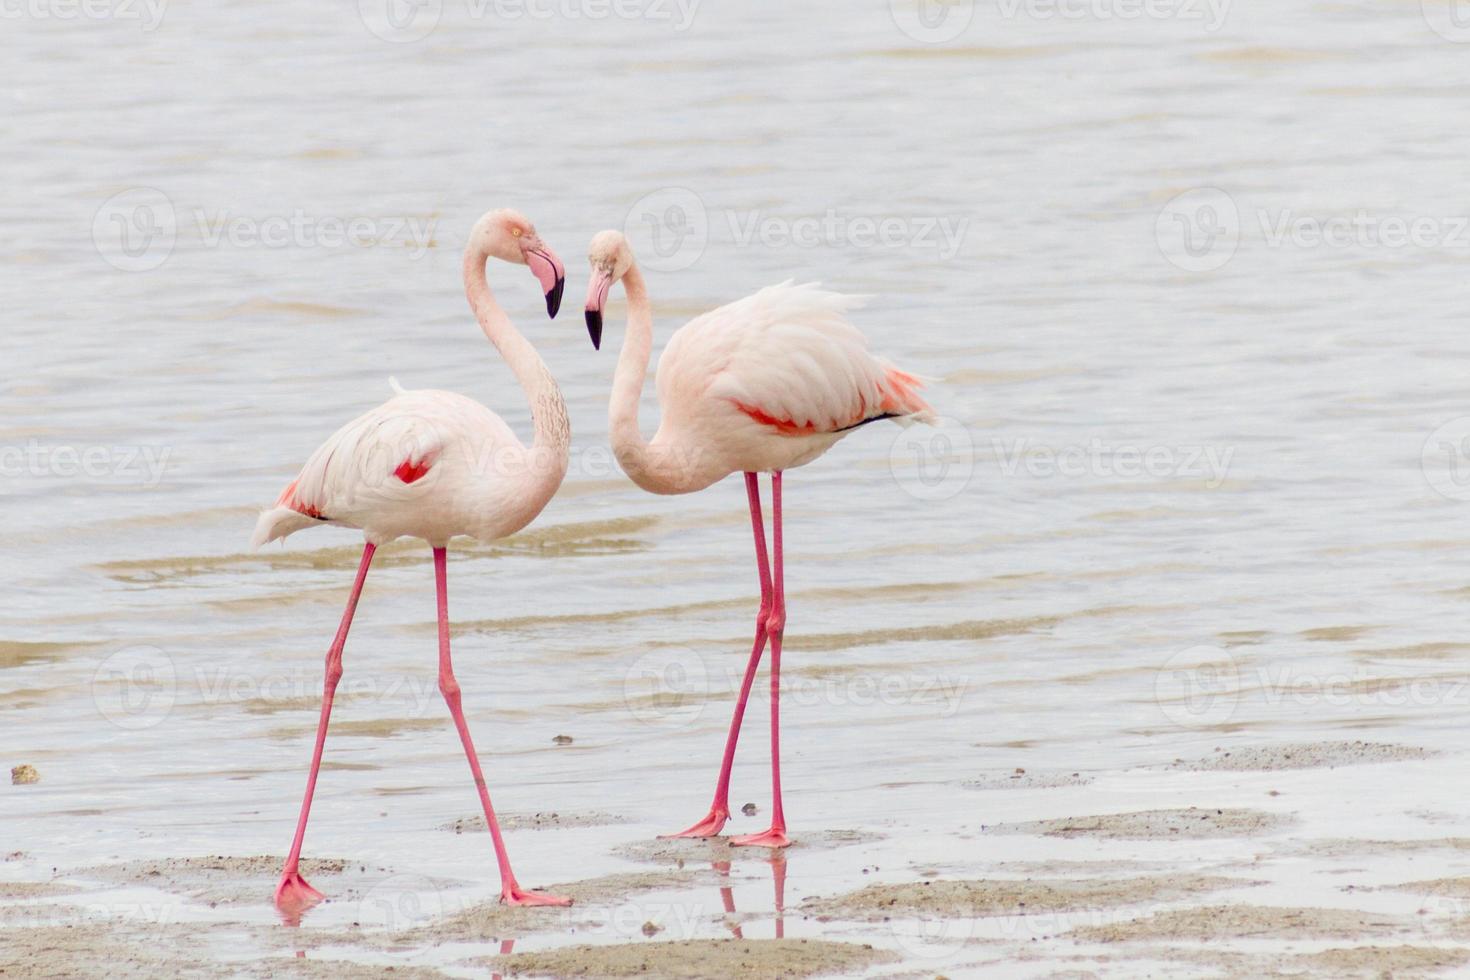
[[509, 236], [611, 257]]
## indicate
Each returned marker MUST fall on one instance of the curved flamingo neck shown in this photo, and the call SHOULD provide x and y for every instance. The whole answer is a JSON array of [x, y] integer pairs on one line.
[[553, 431], [633, 452]]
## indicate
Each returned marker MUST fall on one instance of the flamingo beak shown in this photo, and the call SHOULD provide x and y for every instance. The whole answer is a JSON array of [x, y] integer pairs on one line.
[[550, 273], [597, 291]]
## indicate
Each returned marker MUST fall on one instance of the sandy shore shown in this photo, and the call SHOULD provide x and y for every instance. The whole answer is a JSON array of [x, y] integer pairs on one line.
[[1127, 902]]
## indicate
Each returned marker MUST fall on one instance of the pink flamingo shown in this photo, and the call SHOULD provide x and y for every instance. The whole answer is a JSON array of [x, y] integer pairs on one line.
[[431, 465], [761, 385]]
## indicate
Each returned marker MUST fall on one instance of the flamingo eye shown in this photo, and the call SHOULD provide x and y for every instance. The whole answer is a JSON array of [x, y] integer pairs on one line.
[[517, 232]]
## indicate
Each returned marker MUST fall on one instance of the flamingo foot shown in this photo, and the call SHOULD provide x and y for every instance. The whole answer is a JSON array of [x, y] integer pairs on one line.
[[710, 826], [513, 894], [294, 894], [773, 838]]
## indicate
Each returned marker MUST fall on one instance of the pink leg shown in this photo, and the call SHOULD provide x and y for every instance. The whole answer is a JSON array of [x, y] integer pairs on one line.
[[511, 892], [719, 811], [778, 876], [727, 897], [776, 626], [293, 893], [507, 946]]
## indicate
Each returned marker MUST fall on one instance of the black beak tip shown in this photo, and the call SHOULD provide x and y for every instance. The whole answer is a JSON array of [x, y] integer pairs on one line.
[[553, 298], [594, 328]]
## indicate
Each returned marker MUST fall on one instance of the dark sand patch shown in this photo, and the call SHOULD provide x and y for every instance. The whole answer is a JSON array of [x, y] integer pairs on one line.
[[1416, 651], [491, 920], [91, 949], [1225, 923], [1300, 755], [134, 949], [372, 727], [537, 821], [18, 653], [698, 959], [1380, 961], [1352, 848], [33, 889], [1194, 823], [1053, 869], [1446, 887], [1331, 634], [1026, 779], [959, 899], [1242, 638], [679, 850], [305, 702], [222, 880], [29, 697]]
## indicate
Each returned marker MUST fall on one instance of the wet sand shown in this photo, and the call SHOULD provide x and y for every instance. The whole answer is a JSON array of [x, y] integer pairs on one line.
[[1124, 902], [1191, 823], [699, 959]]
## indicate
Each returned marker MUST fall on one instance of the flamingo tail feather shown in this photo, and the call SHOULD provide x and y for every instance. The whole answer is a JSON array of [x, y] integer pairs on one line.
[[276, 524]]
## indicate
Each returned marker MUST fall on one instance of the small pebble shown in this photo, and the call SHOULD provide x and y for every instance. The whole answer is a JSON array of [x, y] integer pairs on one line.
[[748, 809], [19, 775], [563, 740], [651, 928]]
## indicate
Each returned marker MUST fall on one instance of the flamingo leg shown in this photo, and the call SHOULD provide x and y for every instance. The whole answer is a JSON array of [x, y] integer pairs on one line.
[[776, 627], [719, 810], [293, 893], [778, 877], [727, 897], [511, 892]]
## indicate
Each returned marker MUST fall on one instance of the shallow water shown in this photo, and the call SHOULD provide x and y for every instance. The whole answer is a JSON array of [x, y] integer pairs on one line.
[[1183, 498]]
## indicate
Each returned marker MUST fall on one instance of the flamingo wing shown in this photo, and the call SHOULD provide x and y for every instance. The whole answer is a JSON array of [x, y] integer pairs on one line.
[[787, 358], [378, 460], [379, 453]]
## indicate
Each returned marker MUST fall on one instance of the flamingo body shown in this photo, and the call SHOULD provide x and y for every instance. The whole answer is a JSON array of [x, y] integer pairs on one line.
[[424, 464], [772, 381]]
